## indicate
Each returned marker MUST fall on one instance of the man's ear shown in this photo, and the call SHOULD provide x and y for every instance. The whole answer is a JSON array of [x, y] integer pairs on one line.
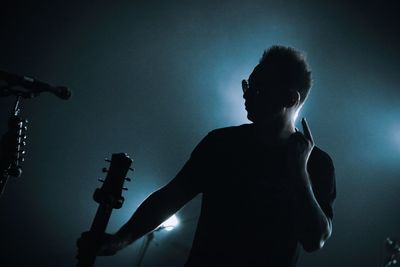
[[293, 98]]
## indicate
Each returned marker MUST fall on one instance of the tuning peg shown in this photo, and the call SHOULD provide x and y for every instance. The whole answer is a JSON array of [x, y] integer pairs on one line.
[[100, 180], [128, 179], [131, 169], [125, 188], [104, 169], [106, 159]]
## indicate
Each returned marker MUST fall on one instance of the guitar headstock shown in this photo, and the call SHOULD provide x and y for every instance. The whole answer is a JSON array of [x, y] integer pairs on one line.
[[110, 192], [12, 146]]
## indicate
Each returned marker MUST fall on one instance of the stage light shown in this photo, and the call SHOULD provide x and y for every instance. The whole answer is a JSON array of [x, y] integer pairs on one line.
[[170, 223]]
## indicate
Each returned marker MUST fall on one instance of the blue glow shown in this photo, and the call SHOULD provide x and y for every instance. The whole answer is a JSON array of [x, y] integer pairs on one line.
[[230, 93]]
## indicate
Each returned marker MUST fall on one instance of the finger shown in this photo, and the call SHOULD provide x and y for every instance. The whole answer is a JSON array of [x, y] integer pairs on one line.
[[297, 139], [306, 130]]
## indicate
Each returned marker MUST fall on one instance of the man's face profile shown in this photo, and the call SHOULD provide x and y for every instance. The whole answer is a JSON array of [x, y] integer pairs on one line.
[[263, 100]]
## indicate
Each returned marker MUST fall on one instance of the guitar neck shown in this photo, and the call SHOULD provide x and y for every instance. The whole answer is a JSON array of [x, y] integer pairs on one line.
[[101, 219], [109, 197], [98, 227]]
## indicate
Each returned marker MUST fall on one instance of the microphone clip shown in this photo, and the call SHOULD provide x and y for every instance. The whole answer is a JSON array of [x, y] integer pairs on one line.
[[8, 90]]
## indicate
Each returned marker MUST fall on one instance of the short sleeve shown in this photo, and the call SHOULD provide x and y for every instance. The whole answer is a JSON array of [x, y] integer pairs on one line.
[[322, 174], [195, 174]]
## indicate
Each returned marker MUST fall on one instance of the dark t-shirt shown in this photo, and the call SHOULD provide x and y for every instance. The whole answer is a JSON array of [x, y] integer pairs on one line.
[[246, 213]]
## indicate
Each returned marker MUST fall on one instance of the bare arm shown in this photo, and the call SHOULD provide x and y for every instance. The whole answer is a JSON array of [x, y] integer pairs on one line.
[[158, 207], [151, 213], [313, 227]]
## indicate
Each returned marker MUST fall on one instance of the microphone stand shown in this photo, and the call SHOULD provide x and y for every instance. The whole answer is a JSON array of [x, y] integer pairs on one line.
[[149, 237], [146, 243], [13, 141]]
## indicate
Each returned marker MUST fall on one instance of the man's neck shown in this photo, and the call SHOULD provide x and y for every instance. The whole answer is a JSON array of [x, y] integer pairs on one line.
[[274, 133]]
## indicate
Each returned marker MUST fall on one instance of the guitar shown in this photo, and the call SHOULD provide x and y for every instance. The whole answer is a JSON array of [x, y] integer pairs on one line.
[[109, 197], [12, 148]]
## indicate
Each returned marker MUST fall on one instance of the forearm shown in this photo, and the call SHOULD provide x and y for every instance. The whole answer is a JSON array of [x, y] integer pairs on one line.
[[150, 214], [311, 224]]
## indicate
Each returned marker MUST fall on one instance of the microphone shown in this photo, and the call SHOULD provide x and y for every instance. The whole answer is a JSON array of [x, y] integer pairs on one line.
[[34, 86]]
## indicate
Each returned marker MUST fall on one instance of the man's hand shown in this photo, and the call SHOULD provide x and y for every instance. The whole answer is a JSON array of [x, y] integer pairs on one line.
[[312, 226], [300, 147], [103, 245]]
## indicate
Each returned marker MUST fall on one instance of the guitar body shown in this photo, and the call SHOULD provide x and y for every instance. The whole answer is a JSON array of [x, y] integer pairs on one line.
[[109, 197]]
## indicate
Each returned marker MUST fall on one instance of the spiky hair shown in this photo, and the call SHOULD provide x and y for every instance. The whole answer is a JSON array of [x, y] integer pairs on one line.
[[286, 68]]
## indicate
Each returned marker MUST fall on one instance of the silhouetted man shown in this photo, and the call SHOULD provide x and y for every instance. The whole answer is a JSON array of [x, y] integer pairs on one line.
[[265, 187]]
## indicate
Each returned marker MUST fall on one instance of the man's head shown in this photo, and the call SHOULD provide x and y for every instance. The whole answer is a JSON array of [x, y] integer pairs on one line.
[[278, 85]]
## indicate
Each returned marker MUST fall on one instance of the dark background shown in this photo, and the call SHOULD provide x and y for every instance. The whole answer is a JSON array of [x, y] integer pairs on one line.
[[152, 78]]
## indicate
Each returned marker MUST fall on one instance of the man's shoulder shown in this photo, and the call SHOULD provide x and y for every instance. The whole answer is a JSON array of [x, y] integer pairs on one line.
[[231, 131]]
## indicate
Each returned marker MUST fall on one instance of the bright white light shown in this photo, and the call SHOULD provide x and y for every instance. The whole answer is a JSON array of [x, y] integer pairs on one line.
[[170, 223], [296, 115]]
